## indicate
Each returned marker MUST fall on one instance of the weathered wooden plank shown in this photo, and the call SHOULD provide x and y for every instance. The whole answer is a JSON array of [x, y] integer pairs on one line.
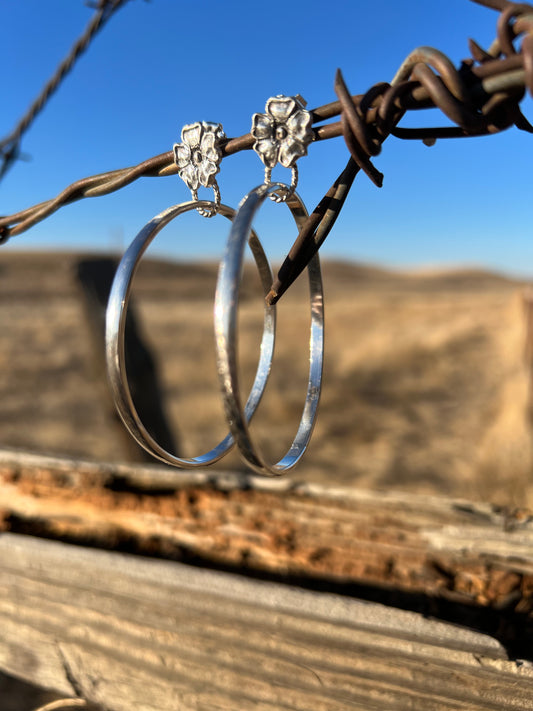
[[440, 548], [128, 632]]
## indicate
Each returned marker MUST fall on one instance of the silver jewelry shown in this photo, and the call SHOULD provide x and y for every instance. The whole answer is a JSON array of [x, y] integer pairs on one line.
[[116, 323], [198, 158], [282, 135], [226, 306]]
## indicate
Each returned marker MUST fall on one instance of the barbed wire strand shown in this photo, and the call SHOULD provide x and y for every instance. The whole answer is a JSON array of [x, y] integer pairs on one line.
[[10, 144], [481, 97]]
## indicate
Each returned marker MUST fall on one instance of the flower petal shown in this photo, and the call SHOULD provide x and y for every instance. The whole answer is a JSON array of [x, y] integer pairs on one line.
[[299, 125], [209, 148], [207, 141], [280, 107], [262, 126], [211, 154], [290, 151], [206, 173], [182, 154], [191, 134], [189, 174], [267, 151]]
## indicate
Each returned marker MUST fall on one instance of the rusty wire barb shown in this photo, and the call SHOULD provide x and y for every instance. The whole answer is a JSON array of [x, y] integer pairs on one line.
[[480, 97], [10, 144]]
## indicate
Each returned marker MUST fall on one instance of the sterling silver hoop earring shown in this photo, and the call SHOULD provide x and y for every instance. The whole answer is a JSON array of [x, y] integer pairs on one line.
[[282, 135], [115, 331], [198, 159], [226, 306]]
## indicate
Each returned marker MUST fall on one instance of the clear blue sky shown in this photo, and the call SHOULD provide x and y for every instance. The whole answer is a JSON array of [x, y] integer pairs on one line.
[[158, 65]]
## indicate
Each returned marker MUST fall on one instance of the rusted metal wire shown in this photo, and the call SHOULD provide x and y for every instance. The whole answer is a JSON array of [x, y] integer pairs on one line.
[[480, 97], [10, 144]]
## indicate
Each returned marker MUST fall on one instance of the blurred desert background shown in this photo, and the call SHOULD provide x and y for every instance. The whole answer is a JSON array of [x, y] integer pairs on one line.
[[426, 382]]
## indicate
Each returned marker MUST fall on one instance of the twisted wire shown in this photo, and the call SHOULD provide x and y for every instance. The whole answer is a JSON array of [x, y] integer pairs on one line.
[[10, 144], [480, 97]]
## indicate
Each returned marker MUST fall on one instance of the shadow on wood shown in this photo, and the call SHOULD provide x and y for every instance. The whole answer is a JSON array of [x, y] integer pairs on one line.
[[95, 276]]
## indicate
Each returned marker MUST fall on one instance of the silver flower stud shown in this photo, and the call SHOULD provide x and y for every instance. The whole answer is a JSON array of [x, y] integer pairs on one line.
[[198, 158], [283, 133]]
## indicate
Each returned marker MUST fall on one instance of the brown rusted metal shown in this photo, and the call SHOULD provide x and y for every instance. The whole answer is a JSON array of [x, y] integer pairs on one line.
[[314, 232], [357, 136], [494, 4]]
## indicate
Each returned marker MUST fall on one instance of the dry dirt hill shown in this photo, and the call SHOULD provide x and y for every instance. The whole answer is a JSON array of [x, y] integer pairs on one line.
[[425, 386]]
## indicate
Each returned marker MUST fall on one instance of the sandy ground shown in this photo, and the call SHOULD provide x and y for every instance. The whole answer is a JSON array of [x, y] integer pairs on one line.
[[425, 383]]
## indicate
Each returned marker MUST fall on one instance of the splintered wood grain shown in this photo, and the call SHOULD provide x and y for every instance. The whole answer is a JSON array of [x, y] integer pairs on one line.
[[440, 548], [129, 633]]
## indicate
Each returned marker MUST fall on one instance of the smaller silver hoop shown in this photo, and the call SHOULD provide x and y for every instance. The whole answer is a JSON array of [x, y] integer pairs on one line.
[[226, 307], [116, 325]]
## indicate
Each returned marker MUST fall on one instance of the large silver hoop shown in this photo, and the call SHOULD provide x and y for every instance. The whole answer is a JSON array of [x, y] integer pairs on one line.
[[226, 306], [116, 324]]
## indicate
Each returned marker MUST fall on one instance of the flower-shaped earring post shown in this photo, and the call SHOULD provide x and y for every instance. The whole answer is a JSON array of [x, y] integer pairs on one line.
[[198, 158], [282, 135]]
